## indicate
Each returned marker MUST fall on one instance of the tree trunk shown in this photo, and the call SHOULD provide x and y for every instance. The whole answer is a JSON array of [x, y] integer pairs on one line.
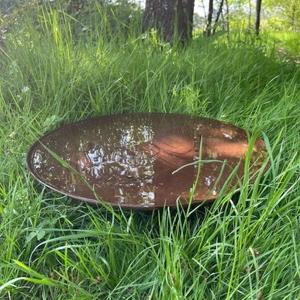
[[171, 18], [293, 16], [257, 22], [227, 17], [218, 16], [207, 30]]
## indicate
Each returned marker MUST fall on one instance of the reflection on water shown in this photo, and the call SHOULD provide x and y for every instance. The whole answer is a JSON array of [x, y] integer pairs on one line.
[[130, 159]]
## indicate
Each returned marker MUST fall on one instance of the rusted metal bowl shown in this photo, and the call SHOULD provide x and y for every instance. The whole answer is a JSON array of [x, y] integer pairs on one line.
[[143, 160]]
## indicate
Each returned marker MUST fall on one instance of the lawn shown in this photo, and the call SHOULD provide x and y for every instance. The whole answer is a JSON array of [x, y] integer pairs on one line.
[[56, 248]]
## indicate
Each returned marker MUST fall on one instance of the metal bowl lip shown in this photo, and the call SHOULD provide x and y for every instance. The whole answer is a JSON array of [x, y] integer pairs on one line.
[[95, 202]]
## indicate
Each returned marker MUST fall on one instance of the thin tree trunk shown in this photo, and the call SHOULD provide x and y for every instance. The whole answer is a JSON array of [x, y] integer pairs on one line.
[[223, 22], [227, 17], [218, 16], [257, 22], [207, 31], [171, 18], [189, 6], [293, 16]]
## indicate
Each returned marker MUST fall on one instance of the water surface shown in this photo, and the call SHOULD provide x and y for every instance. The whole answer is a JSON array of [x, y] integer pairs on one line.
[[142, 160]]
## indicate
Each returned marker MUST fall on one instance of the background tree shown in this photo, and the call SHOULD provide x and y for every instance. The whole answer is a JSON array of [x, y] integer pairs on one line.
[[171, 18], [284, 13], [208, 29], [258, 12], [219, 12], [227, 16]]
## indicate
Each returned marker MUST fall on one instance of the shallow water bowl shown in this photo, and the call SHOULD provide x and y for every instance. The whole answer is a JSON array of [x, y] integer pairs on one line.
[[143, 160]]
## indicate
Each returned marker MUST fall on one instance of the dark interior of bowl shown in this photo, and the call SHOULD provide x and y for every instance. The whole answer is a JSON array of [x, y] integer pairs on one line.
[[142, 160]]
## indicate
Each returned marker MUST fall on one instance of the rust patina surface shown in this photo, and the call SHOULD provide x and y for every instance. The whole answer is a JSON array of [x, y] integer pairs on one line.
[[142, 160]]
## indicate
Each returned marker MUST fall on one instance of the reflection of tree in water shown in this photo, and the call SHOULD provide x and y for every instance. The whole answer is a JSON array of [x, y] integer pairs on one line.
[[120, 161]]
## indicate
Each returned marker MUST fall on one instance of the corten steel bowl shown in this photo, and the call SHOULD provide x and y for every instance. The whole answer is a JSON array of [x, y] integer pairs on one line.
[[143, 160]]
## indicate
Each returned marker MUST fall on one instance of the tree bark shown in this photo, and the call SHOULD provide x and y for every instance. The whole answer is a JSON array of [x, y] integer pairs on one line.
[[171, 18], [293, 15], [227, 17], [218, 16], [207, 31], [257, 22]]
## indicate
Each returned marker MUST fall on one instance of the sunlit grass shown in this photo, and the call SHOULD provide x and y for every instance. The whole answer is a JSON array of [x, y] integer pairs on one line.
[[55, 248], [288, 41]]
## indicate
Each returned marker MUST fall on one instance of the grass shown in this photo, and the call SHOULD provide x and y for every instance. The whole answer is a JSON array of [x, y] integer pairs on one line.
[[287, 42], [55, 248]]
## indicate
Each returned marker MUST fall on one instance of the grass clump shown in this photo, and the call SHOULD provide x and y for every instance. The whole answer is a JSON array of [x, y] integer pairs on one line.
[[53, 248]]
